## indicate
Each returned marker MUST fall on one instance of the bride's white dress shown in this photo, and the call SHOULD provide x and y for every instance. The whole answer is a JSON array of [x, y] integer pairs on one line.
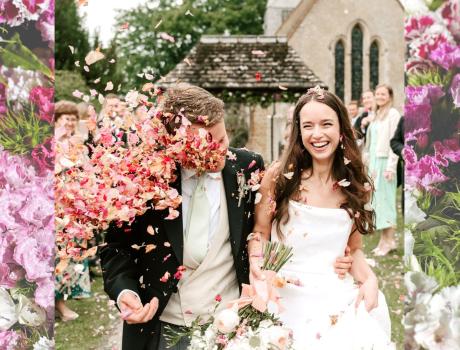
[[321, 310]]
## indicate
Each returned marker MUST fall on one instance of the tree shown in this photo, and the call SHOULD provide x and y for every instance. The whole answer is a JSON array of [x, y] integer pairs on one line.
[[142, 47], [69, 31], [67, 82]]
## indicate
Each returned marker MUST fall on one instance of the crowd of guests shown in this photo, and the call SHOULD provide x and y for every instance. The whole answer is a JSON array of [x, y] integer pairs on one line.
[[73, 136]]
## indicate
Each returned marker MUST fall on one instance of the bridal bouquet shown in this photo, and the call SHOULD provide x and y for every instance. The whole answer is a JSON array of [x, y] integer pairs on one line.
[[249, 322], [26, 187], [130, 170], [432, 155]]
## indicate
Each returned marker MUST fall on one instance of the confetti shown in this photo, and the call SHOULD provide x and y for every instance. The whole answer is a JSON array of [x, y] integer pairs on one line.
[[167, 37], [188, 13], [231, 155], [77, 94], [101, 99], [147, 87], [77, 63], [218, 298], [258, 76], [150, 230], [124, 26], [158, 24], [112, 60], [186, 60], [166, 257], [172, 214], [368, 207], [149, 248], [344, 183], [289, 175], [165, 277], [86, 69], [109, 86], [258, 198], [167, 244], [367, 186], [93, 56], [281, 87], [346, 160], [253, 162], [135, 246], [72, 49], [97, 81], [149, 76], [258, 53]]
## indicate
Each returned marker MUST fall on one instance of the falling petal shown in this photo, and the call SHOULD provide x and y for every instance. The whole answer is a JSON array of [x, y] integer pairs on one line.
[[344, 183], [109, 86], [77, 63], [112, 60], [149, 76], [150, 247], [258, 53], [167, 37], [258, 198], [72, 49], [150, 230], [97, 81], [93, 57], [77, 94], [289, 175], [188, 13], [186, 60], [124, 26], [101, 99], [346, 160], [281, 87], [158, 24]]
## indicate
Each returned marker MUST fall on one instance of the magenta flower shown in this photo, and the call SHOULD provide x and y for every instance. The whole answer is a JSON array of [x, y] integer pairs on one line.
[[43, 156], [450, 12], [43, 98], [2, 99], [446, 55]]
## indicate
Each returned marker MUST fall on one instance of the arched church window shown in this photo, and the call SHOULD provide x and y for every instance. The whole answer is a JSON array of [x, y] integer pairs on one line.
[[339, 53], [374, 65], [356, 62]]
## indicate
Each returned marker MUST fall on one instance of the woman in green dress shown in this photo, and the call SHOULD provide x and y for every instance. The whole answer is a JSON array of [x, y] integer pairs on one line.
[[382, 162]]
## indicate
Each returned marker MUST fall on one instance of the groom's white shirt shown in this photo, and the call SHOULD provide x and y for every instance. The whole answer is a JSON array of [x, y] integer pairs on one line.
[[212, 183]]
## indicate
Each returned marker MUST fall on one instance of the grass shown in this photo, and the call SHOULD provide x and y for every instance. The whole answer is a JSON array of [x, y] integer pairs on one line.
[[390, 272], [95, 328]]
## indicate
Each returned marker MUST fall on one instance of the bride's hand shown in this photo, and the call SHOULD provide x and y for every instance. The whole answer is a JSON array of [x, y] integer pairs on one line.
[[369, 292], [255, 272]]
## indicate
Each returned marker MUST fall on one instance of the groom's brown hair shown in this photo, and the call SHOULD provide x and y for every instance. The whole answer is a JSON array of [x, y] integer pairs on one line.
[[196, 104]]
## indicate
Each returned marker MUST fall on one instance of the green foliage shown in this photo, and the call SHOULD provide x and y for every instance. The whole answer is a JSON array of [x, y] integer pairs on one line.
[[104, 70], [67, 82], [69, 31], [435, 4], [431, 76], [21, 131], [141, 48], [15, 54], [251, 98]]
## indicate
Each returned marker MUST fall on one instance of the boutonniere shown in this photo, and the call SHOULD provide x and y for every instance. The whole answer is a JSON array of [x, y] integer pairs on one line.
[[245, 187]]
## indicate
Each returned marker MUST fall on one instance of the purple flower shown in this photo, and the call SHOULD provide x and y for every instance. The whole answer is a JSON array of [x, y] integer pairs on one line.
[[44, 294], [418, 109], [448, 150], [34, 256], [455, 90], [446, 55], [450, 12], [9, 340]]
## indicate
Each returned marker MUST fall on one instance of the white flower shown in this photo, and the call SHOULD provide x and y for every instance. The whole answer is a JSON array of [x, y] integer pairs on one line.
[[408, 246], [44, 344], [30, 314], [412, 213], [8, 315], [227, 320], [276, 336], [415, 6]]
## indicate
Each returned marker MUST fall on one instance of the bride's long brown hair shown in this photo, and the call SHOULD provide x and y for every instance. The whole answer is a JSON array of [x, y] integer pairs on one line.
[[297, 159]]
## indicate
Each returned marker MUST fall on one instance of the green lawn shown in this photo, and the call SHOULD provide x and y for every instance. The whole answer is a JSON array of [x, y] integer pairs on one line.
[[390, 271], [96, 328]]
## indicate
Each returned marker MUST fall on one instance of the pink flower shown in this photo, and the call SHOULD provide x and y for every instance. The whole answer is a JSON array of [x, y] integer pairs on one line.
[[34, 256], [43, 156], [2, 99], [9, 340], [43, 98], [44, 294], [455, 90]]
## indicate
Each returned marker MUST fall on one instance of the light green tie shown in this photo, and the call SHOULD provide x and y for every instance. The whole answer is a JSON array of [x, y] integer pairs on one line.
[[197, 231]]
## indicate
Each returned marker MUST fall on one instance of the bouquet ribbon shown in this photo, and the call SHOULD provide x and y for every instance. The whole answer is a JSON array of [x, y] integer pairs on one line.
[[259, 294]]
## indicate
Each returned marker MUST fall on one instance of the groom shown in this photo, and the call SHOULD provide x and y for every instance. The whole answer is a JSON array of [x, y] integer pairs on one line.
[[197, 256]]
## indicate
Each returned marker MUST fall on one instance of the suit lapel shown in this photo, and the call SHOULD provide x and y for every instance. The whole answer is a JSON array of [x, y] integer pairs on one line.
[[174, 228], [235, 213]]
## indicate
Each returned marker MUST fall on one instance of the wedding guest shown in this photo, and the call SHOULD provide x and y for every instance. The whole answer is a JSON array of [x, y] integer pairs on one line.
[[366, 116], [353, 111], [73, 282], [382, 163], [397, 145], [85, 111]]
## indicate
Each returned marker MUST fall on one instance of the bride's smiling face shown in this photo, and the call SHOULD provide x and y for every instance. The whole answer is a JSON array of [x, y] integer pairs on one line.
[[320, 130]]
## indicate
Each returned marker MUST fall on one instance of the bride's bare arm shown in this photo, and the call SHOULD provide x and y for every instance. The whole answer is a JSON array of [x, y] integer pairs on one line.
[[361, 272], [263, 216]]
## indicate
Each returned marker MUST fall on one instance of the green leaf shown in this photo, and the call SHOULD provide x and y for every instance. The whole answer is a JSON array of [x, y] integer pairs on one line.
[[15, 54]]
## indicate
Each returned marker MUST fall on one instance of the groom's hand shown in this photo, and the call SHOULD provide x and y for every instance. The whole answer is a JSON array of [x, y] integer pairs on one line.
[[343, 264], [134, 312]]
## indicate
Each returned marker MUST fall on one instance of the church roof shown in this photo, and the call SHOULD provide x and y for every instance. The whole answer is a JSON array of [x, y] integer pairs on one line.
[[243, 62]]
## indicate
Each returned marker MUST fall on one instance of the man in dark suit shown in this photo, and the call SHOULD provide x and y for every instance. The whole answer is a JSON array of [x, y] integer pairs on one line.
[[168, 272]]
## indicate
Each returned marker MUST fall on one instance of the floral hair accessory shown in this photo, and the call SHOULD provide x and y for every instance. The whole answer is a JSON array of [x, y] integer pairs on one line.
[[317, 92]]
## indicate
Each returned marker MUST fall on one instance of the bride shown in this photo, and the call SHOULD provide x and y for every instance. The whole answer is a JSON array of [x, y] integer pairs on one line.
[[316, 200]]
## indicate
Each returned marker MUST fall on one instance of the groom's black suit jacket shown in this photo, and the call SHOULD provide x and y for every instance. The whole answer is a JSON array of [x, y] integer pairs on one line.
[[125, 267]]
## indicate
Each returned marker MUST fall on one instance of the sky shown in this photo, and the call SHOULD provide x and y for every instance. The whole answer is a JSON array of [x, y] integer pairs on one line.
[[100, 14]]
